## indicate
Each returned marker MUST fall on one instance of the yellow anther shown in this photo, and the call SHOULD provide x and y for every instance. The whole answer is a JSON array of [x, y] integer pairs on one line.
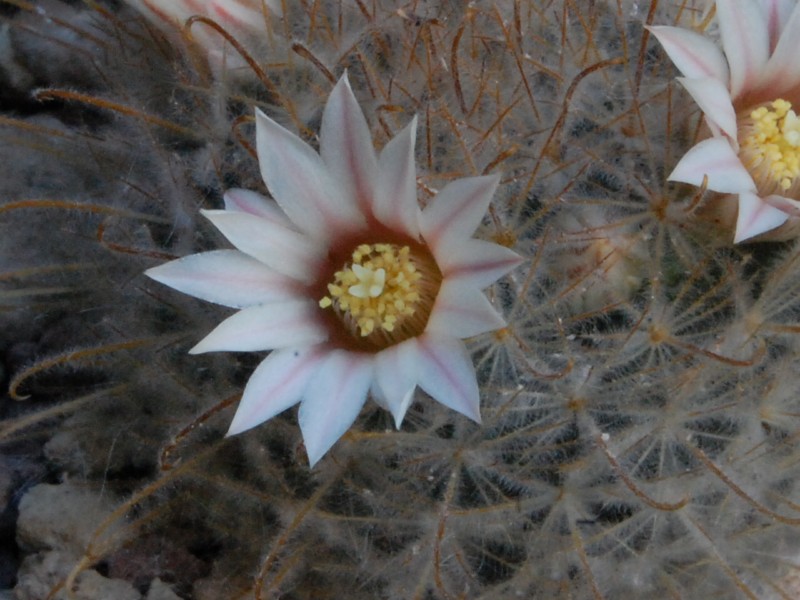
[[370, 282], [791, 129], [377, 290], [770, 146]]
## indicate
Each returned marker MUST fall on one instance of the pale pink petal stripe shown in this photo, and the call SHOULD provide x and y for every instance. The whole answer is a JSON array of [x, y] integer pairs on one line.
[[756, 217], [396, 371], [447, 374], [346, 147], [745, 40], [376, 394], [778, 12], [284, 250], [478, 263], [396, 200], [226, 277], [788, 205], [266, 327], [247, 201], [455, 213], [174, 12], [782, 72], [277, 383], [714, 99], [299, 181], [332, 400], [246, 15], [462, 311], [693, 54], [713, 157]]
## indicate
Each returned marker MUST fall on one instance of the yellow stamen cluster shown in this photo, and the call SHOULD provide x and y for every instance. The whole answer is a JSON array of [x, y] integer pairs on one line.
[[770, 145], [378, 289]]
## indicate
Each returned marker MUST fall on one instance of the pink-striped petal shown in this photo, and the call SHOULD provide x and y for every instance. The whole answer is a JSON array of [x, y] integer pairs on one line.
[[246, 201], [447, 374], [194, 7], [332, 400], [714, 99], [396, 198], [284, 250], [455, 213], [245, 15], [782, 72], [233, 14], [788, 205], [299, 181], [396, 377], [277, 383], [778, 13], [345, 144], [693, 54], [745, 40], [756, 217], [226, 277], [174, 13], [266, 327], [715, 158], [477, 263], [462, 311]]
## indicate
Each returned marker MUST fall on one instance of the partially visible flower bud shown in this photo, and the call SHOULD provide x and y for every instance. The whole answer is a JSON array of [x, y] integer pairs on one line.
[[245, 20]]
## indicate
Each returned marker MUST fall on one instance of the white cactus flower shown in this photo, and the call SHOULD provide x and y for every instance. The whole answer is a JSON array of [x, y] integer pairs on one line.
[[354, 289], [749, 92]]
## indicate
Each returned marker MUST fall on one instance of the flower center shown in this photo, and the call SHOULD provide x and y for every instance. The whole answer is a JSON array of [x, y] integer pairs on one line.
[[384, 293], [770, 147]]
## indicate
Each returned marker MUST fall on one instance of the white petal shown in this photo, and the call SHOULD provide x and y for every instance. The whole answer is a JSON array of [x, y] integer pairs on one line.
[[396, 199], [376, 393], [299, 180], [396, 376], [788, 205], [277, 383], [477, 262], [714, 99], [713, 157], [745, 40], [778, 13], [462, 311], [346, 146], [455, 213], [333, 399], [246, 201], [782, 72], [245, 14], [284, 250], [175, 13], [226, 277], [756, 217], [266, 327], [693, 54], [447, 374]]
